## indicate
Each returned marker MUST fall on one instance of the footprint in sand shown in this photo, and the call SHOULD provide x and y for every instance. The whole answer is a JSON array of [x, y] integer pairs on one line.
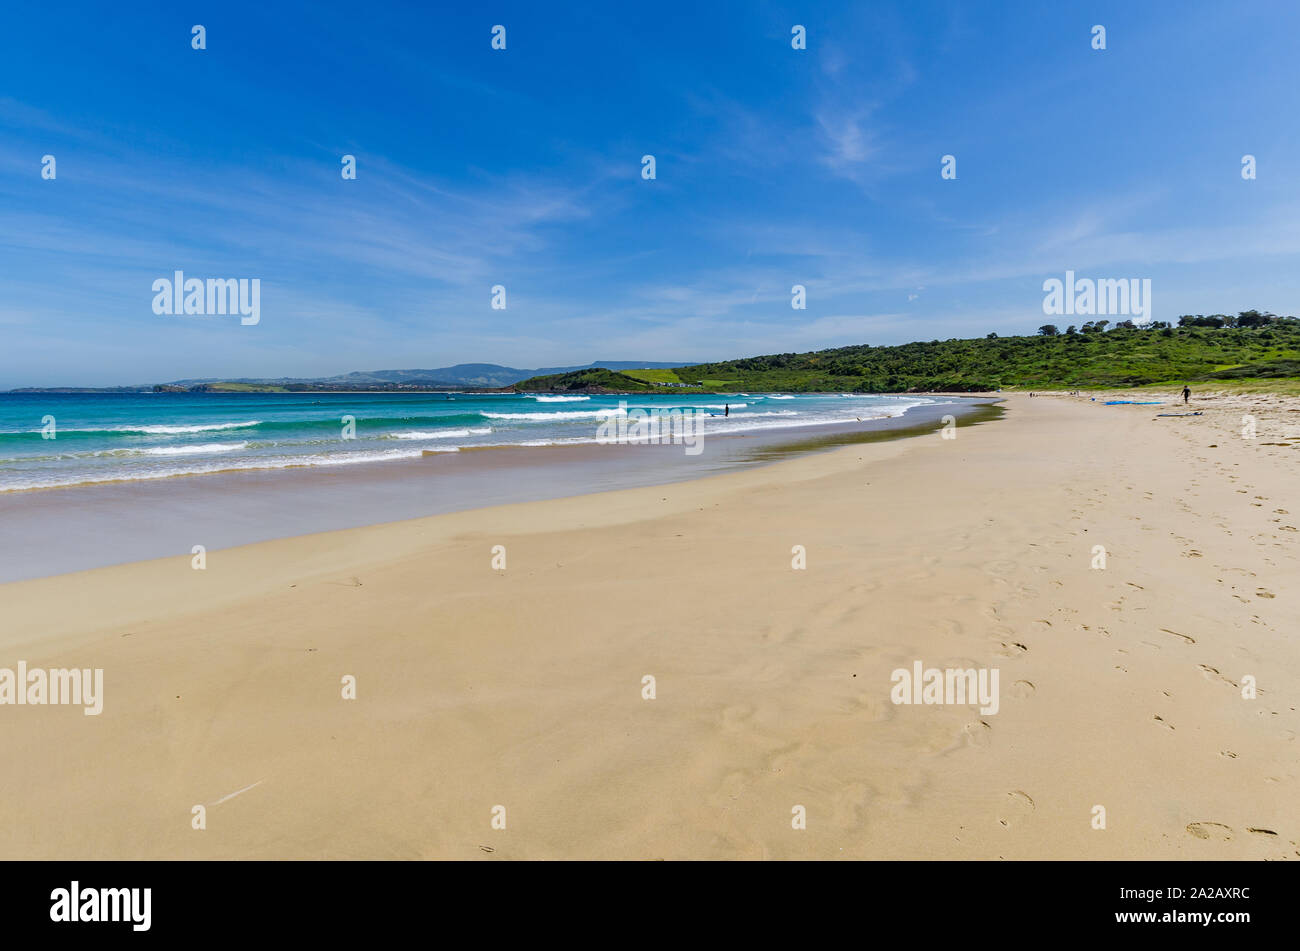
[[1011, 649], [978, 734], [1215, 831], [781, 760], [1212, 673], [1161, 720], [951, 627], [1015, 807], [1022, 689], [1262, 593], [1186, 637]]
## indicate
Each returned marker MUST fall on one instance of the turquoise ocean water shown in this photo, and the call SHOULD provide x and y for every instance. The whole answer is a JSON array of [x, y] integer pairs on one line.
[[100, 438]]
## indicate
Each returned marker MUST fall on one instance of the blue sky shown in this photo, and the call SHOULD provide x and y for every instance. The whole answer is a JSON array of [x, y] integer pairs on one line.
[[522, 168]]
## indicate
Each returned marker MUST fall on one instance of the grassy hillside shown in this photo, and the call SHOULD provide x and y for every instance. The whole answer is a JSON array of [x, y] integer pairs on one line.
[[598, 380], [1118, 357], [653, 375], [240, 388]]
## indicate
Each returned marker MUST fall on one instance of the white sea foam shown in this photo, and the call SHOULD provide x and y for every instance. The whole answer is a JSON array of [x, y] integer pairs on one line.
[[352, 458], [178, 430], [279, 462], [206, 448], [560, 399], [440, 433], [576, 440], [587, 414], [148, 430], [721, 426]]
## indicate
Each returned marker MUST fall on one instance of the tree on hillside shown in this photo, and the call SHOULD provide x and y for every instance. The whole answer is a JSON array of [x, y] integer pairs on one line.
[[1048, 330]]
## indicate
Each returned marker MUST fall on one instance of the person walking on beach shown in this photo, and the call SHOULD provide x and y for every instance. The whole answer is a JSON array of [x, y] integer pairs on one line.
[[1187, 394]]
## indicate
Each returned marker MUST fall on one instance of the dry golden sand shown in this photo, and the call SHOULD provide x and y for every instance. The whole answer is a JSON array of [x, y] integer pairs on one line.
[[1119, 687]]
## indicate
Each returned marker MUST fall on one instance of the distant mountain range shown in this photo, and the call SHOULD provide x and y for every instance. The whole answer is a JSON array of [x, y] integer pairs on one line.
[[485, 375]]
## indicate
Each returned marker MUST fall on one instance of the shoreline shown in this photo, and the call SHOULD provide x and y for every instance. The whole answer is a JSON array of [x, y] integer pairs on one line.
[[771, 432], [522, 687], [241, 506]]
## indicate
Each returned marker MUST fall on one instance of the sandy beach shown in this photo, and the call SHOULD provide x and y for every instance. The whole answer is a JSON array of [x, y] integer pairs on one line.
[[478, 687]]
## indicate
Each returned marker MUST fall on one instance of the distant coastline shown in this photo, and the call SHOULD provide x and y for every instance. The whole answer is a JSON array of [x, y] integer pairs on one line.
[[1216, 349]]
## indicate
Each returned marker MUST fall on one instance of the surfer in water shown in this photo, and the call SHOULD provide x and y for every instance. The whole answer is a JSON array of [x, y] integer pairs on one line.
[[1187, 394]]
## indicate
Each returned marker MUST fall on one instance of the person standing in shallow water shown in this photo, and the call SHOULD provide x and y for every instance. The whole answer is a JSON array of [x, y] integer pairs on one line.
[[726, 409], [1187, 394]]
